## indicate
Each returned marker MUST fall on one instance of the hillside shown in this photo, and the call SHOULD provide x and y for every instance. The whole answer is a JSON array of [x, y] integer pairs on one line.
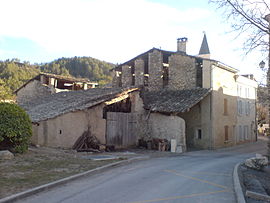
[[14, 73]]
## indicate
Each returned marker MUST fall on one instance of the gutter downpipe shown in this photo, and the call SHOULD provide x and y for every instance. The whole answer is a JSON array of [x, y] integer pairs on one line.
[[212, 141]]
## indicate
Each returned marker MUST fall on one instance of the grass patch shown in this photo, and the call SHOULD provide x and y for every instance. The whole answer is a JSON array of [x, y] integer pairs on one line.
[[41, 166]]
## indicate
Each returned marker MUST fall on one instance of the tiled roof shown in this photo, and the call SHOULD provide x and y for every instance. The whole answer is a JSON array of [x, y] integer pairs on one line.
[[173, 101], [60, 103]]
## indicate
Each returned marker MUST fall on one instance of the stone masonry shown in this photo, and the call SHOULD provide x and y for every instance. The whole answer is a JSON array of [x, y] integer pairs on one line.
[[182, 72], [155, 70], [139, 72], [126, 76]]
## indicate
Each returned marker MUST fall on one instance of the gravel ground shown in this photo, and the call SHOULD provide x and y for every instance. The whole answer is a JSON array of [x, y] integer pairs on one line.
[[247, 176]]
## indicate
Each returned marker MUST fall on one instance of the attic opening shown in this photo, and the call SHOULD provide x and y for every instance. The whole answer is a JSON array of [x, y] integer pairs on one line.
[[165, 74], [132, 75], [119, 77], [123, 106], [199, 72], [146, 72]]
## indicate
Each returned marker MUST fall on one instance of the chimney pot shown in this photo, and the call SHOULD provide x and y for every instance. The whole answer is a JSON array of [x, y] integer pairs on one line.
[[182, 44]]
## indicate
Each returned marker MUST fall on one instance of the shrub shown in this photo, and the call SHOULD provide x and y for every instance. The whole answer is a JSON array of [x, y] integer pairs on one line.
[[15, 128]]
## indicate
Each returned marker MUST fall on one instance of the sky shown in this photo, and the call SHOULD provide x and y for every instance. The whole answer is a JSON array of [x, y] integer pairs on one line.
[[115, 31]]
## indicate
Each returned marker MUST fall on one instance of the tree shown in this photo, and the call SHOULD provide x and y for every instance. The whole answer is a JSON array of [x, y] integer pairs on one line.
[[247, 17], [15, 128]]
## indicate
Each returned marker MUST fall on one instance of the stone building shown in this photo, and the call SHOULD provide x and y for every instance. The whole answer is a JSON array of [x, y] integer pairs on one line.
[[58, 120], [46, 84], [199, 90]]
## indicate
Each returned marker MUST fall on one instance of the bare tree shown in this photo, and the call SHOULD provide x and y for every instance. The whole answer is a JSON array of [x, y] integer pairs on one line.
[[247, 17]]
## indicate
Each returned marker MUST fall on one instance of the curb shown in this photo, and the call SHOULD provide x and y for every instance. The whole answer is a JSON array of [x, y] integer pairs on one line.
[[53, 184], [237, 187]]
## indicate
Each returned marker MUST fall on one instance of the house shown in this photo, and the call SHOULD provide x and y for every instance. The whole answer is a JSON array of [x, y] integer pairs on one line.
[[192, 99], [246, 108], [58, 120], [46, 84]]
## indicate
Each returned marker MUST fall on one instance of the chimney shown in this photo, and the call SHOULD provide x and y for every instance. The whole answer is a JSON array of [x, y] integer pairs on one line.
[[182, 44]]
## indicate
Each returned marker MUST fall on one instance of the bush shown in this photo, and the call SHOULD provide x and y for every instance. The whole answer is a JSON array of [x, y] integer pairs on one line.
[[15, 128]]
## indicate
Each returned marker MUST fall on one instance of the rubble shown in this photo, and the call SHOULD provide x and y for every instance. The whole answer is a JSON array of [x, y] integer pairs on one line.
[[257, 163], [155, 144]]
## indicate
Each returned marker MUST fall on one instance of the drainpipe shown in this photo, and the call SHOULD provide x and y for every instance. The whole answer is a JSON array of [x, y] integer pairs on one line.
[[211, 111]]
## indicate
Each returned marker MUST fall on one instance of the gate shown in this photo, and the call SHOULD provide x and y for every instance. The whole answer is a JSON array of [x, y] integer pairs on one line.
[[121, 129]]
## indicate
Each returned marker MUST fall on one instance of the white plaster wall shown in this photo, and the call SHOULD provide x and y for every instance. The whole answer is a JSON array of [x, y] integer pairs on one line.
[[167, 127], [64, 130], [224, 87], [246, 93]]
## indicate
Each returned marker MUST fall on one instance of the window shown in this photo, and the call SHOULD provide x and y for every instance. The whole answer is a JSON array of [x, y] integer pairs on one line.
[[165, 75], [199, 134], [132, 75], [239, 107], [240, 133], [199, 73], [225, 107], [246, 133], [226, 132], [145, 81], [247, 108], [240, 91]]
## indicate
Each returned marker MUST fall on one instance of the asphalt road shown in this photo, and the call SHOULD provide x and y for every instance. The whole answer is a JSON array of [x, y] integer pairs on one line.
[[201, 176]]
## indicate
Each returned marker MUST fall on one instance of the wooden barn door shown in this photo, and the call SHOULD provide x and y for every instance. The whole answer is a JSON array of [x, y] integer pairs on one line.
[[121, 129]]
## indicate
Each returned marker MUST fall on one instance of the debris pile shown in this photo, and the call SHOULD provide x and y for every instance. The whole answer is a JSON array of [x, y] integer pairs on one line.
[[155, 144], [88, 143]]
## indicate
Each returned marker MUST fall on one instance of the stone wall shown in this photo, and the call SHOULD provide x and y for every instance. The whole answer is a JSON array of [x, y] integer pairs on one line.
[[182, 72], [31, 91], [116, 79], [155, 81], [126, 76], [139, 72], [167, 127]]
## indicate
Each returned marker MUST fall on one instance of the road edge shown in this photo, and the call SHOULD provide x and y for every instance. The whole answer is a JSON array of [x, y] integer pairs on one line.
[[53, 184], [237, 186]]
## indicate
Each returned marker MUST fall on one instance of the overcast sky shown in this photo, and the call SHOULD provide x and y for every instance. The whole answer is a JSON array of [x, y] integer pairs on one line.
[[115, 30]]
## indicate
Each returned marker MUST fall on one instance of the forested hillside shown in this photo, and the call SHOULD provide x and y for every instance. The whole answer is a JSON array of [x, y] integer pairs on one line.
[[14, 73]]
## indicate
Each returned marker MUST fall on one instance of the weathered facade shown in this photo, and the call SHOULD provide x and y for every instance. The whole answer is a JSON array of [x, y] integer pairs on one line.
[[245, 130], [211, 120], [45, 84], [60, 119], [193, 100]]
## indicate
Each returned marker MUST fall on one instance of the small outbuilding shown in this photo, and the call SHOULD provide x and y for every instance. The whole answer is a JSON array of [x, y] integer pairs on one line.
[[106, 113]]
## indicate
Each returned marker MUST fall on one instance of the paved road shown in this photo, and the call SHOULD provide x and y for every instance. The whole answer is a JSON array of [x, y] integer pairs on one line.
[[202, 176]]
